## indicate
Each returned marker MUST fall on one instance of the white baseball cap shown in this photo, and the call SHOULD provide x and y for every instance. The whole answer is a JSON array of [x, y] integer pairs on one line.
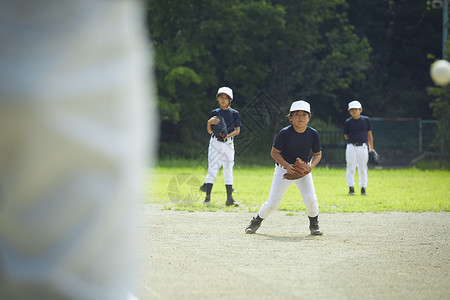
[[300, 105], [225, 90], [354, 104]]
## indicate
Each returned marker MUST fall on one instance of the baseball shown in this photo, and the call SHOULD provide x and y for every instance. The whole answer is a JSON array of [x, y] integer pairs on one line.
[[440, 72]]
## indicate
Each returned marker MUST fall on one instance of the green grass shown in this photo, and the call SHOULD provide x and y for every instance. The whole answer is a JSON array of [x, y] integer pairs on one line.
[[409, 190]]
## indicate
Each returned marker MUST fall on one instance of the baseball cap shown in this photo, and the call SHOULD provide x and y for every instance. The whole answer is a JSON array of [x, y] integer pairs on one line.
[[300, 105], [354, 104], [225, 90]]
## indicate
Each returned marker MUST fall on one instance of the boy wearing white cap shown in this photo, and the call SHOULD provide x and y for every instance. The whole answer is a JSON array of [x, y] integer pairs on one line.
[[293, 141], [221, 151], [358, 133]]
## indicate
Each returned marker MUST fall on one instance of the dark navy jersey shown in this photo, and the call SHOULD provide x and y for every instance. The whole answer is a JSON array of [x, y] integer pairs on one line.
[[357, 129], [231, 117], [293, 144]]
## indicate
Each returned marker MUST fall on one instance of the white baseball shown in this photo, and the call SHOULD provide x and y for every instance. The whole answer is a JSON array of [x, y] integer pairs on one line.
[[440, 72]]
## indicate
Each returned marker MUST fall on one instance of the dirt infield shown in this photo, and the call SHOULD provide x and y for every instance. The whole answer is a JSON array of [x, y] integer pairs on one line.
[[207, 255]]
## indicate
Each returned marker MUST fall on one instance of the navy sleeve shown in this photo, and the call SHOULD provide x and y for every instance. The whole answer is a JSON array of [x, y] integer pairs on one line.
[[346, 127], [279, 141], [213, 113], [237, 119], [369, 124]]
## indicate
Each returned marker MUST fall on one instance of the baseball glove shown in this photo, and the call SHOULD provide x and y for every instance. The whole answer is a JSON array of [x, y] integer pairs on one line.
[[374, 158], [301, 169], [220, 129]]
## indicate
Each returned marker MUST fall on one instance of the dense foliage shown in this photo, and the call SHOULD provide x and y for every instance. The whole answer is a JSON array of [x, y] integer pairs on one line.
[[270, 53]]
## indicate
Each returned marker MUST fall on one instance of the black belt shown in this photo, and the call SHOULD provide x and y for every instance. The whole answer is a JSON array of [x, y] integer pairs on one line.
[[357, 144], [224, 140], [280, 166]]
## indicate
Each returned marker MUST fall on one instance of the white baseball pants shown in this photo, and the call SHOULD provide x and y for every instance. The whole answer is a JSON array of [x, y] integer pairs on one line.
[[220, 154], [279, 186], [357, 157]]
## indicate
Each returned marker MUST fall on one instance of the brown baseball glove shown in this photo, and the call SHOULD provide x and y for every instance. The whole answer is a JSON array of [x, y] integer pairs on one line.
[[301, 169]]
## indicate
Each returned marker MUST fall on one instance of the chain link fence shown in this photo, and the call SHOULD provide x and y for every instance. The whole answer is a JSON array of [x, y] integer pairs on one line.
[[399, 141]]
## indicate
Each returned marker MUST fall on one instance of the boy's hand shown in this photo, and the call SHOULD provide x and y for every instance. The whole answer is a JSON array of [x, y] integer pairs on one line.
[[214, 120], [301, 169]]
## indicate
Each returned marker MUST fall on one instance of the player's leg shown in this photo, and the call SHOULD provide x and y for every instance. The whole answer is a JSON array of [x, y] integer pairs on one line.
[[228, 163], [362, 160], [214, 164], [350, 158], [277, 190], [306, 188], [214, 160]]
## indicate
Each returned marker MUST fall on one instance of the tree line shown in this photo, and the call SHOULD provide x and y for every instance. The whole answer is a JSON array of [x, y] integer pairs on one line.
[[328, 52]]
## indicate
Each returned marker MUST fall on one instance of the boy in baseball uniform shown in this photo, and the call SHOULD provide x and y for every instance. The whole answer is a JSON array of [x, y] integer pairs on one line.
[[358, 133], [221, 151], [293, 141]]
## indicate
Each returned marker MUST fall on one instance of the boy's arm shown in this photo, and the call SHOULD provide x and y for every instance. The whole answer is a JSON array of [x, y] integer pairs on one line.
[[212, 121], [346, 131], [276, 155], [237, 125], [235, 132], [315, 159], [370, 140]]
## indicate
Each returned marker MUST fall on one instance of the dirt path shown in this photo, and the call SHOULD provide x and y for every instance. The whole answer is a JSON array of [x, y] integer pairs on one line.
[[207, 255]]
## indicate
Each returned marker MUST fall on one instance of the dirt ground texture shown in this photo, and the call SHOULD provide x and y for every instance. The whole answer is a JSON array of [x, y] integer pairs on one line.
[[208, 255]]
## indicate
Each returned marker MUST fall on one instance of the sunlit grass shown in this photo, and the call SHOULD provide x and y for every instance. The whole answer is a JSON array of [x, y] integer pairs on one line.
[[410, 190]]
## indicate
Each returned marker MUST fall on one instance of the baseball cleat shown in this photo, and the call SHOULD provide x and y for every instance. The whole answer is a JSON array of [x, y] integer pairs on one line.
[[207, 200], [351, 191], [314, 228], [231, 202], [363, 191], [203, 188], [253, 226]]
